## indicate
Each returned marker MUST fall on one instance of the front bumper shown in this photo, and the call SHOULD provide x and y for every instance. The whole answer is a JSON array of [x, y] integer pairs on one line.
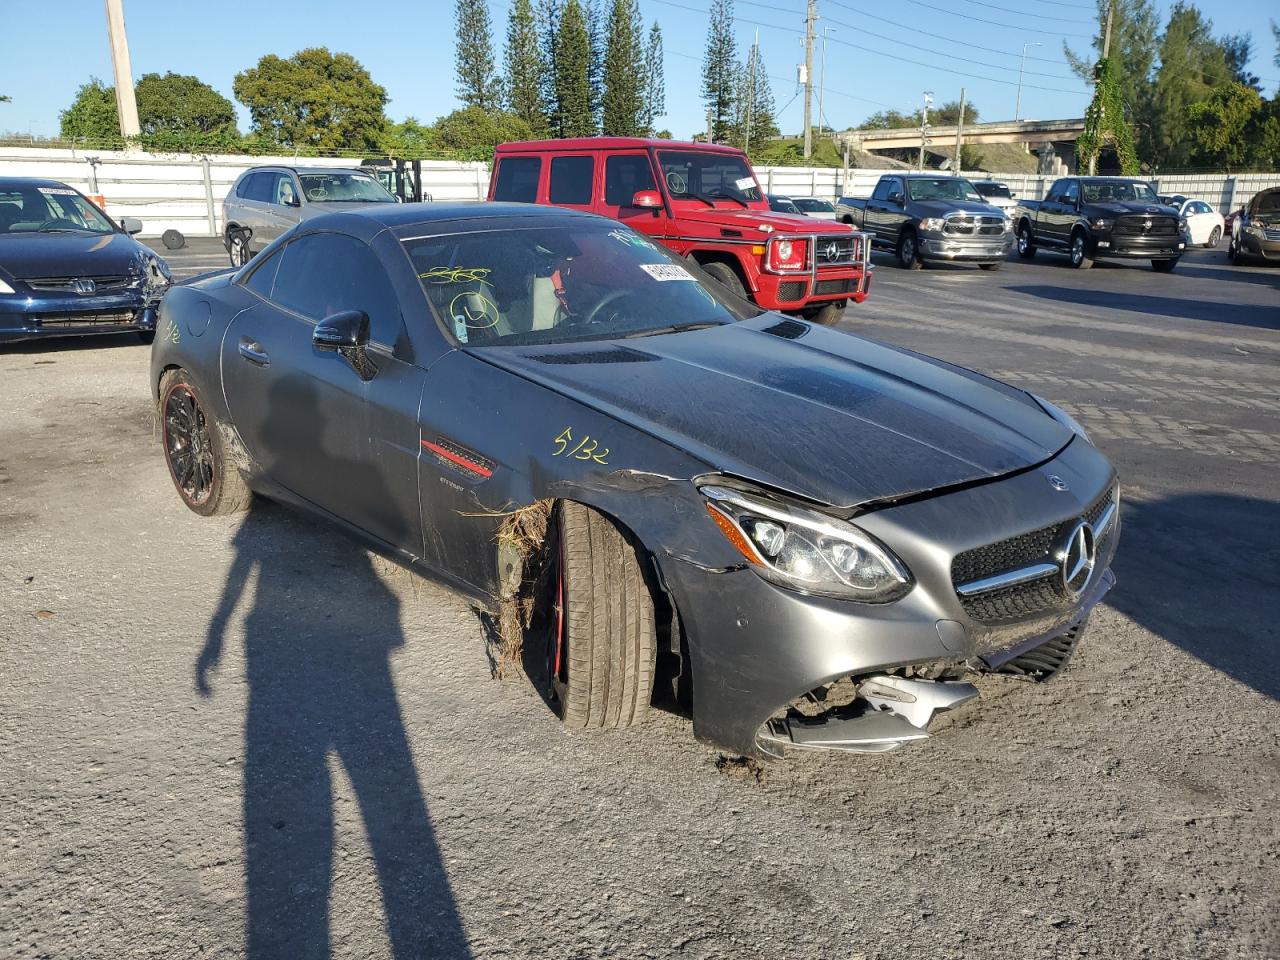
[[1257, 246], [755, 648], [966, 250], [817, 284], [31, 317], [1139, 248]]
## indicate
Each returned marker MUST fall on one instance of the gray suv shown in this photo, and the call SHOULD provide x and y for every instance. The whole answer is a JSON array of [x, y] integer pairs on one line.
[[264, 202]]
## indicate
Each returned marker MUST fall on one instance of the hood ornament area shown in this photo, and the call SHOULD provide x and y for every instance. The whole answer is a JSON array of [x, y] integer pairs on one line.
[[1058, 484], [1076, 559]]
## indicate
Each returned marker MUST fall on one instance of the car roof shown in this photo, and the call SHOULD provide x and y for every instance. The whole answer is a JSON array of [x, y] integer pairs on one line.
[[13, 183], [300, 170], [404, 218], [609, 143]]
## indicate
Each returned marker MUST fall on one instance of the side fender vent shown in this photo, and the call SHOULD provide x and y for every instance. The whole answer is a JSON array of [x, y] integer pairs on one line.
[[725, 232]]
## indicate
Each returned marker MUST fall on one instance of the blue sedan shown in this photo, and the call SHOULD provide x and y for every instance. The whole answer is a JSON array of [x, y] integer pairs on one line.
[[66, 268]]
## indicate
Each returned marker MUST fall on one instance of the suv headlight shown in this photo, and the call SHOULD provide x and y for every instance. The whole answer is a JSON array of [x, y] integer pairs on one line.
[[1064, 418], [933, 224], [805, 550]]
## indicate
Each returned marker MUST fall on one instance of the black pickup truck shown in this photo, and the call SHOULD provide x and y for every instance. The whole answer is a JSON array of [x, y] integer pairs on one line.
[[1090, 217]]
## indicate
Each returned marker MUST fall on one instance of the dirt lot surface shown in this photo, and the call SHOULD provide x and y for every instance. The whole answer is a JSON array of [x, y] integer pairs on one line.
[[403, 803]]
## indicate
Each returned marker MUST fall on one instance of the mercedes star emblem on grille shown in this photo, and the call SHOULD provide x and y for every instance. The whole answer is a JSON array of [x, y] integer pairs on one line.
[[831, 251], [1058, 484], [1077, 558]]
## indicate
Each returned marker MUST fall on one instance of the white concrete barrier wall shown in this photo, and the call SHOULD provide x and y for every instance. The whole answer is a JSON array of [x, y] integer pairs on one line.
[[173, 191]]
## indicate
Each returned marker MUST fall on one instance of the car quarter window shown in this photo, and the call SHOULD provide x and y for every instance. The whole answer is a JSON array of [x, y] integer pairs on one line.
[[262, 186], [517, 180], [571, 179], [263, 274], [321, 274], [625, 175]]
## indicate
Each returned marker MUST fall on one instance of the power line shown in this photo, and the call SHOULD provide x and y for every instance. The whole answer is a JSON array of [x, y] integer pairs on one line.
[[997, 23], [838, 93], [1023, 13]]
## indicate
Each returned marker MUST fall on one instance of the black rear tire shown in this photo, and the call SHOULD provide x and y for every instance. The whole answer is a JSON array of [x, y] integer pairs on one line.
[[727, 277], [195, 450], [1164, 266], [602, 640], [827, 315]]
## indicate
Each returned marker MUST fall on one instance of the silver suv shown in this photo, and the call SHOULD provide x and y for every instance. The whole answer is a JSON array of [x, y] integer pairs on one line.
[[264, 202]]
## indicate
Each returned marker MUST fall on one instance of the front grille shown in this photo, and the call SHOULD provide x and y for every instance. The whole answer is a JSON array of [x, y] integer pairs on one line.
[[827, 287], [1271, 233], [1136, 225], [836, 251], [792, 289], [94, 319], [1021, 600], [106, 284], [976, 225]]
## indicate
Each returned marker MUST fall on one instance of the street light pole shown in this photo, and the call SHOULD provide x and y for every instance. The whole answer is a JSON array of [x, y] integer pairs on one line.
[[924, 125], [1017, 107]]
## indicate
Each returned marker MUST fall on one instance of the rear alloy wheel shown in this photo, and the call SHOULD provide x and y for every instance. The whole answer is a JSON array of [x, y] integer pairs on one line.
[[727, 277], [194, 450], [827, 315], [909, 251], [1215, 238], [1164, 266], [1026, 249], [238, 248], [1080, 258], [601, 643]]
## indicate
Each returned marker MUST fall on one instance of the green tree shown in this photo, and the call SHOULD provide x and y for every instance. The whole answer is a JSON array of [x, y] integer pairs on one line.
[[478, 84], [471, 133], [1135, 40], [526, 69], [754, 109], [177, 111], [596, 29], [1192, 64], [1105, 121], [890, 120], [315, 99], [409, 138], [571, 111], [92, 115], [719, 70], [655, 83], [547, 14], [1219, 126], [622, 104]]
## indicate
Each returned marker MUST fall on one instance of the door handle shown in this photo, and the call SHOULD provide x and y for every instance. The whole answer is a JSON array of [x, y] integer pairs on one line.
[[252, 351]]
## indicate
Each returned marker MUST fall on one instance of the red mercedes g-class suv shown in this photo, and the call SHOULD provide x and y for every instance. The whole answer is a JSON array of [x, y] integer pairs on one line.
[[702, 201]]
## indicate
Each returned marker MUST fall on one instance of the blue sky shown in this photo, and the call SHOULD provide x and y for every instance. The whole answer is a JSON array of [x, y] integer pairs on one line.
[[407, 45]]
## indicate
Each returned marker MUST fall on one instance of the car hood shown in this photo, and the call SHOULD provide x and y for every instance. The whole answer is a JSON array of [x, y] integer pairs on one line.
[[835, 418], [1118, 207], [30, 255], [744, 220], [940, 208]]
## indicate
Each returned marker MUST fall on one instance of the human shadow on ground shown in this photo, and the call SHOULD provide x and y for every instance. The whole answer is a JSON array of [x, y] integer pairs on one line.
[[319, 633], [1202, 571]]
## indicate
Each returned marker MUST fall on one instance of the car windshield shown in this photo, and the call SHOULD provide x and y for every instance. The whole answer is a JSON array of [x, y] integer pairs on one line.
[[810, 205], [994, 190], [943, 188], [1124, 191], [564, 283], [698, 175], [343, 188], [49, 210]]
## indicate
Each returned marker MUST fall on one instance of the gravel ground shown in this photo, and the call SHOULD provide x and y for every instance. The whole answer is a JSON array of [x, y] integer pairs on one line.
[[353, 782]]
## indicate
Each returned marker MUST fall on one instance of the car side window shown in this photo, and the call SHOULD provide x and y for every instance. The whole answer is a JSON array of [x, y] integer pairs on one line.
[[263, 274], [1055, 192], [321, 274], [1071, 193], [245, 188], [517, 180], [262, 187], [625, 175], [881, 191], [571, 179], [284, 192]]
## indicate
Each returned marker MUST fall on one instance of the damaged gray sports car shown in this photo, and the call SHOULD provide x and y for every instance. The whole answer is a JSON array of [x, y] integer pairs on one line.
[[807, 539]]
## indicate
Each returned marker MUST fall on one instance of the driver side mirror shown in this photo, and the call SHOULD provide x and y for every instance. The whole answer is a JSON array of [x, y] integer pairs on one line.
[[897, 198], [647, 200], [291, 201], [131, 225], [346, 330]]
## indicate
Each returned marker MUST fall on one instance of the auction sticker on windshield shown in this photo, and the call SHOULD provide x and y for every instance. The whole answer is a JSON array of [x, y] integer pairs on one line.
[[746, 183], [57, 191], [666, 271]]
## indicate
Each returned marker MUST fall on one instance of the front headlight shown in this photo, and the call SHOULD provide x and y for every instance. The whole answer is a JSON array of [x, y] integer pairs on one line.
[[5, 288], [1064, 418], [933, 224], [1183, 226], [1102, 223], [160, 268], [805, 550]]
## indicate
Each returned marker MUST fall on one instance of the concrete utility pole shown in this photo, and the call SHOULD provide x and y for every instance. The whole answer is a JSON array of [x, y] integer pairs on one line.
[[126, 102], [924, 126], [1106, 51], [810, 18], [822, 77], [1017, 107], [955, 160]]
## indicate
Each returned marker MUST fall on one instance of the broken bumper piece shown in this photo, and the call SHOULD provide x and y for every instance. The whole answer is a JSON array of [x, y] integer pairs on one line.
[[889, 712]]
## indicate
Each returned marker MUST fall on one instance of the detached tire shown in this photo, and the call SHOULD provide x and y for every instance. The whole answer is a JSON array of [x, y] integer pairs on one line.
[[602, 642], [727, 277], [205, 477], [827, 315]]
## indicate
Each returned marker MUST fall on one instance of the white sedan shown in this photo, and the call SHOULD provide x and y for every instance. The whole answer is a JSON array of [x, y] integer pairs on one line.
[[1204, 224], [813, 207]]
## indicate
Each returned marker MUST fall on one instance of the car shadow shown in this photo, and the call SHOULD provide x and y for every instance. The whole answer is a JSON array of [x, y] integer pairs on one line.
[[1202, 571], [74, 344], [1246, 315], [319, 631], [1227, 272]]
